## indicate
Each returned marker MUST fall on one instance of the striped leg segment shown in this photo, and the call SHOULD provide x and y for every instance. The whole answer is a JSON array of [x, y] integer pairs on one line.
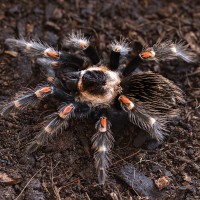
[[167, 50], [138, 116], [34, 47], [164, 51], [53, 58], [26, 99], [102, 143], [55, 122], [79, 41], [32, 98]]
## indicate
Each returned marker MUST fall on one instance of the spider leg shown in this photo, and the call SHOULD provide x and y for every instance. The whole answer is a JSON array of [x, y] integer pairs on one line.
[[32, 98], [167, 50], [53, 57], [139, 116], [132, 65], [119, 49], [55, 122], [79, 41], [49, 71], [102, 143], [164, 51], [151, 101], [58, 121]]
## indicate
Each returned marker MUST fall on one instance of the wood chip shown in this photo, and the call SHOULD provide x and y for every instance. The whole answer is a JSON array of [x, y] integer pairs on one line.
[[11, 53]]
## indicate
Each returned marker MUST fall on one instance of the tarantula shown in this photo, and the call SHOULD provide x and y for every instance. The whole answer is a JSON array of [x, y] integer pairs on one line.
[[87, 84]]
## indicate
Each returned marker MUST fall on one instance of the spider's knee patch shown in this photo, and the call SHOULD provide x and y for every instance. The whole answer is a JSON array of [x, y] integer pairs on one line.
[[103, 125], [66, 111], [43, 92], [126, 103]]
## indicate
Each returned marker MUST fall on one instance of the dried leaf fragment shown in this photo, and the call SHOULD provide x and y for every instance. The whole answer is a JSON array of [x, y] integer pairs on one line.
[[5, 179], [162, 182]]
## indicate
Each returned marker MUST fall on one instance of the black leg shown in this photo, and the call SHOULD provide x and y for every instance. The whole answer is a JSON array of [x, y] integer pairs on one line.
[[114, 60], [79, 41], [132, 65], [119, 49], [91, 52]]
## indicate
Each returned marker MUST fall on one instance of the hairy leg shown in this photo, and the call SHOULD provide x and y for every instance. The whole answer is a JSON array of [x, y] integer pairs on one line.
[[164, 51], [58, 121], [32, 98], [119, 50], [102, 144], [79, 41]]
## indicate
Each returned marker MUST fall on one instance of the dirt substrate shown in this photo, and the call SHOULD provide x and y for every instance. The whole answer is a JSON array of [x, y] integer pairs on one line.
[[64, 169]]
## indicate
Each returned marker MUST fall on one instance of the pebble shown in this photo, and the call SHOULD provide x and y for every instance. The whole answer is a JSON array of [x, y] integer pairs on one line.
[[35, 184], [142, 184], [34, 190], [13, 10], [28, 159]]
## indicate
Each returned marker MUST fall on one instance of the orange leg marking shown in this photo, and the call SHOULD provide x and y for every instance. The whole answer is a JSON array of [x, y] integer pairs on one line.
[[64, 113], [45, 90], [39, 93], [146, 54], [68, 109], [103, 122], [124, 99], [128, 103], [53, 54]]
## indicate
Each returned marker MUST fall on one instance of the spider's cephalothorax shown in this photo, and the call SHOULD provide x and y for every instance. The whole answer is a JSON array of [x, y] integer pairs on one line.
[[149, 99], [98, 86]]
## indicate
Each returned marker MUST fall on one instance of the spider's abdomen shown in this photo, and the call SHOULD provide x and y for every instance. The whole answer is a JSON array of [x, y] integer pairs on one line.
[[98, 86]]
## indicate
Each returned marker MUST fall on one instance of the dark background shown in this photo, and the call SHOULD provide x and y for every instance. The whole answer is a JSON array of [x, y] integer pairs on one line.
[[64, 170]]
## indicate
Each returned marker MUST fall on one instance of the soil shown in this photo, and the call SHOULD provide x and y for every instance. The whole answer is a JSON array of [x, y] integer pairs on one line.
[[64, 169]]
